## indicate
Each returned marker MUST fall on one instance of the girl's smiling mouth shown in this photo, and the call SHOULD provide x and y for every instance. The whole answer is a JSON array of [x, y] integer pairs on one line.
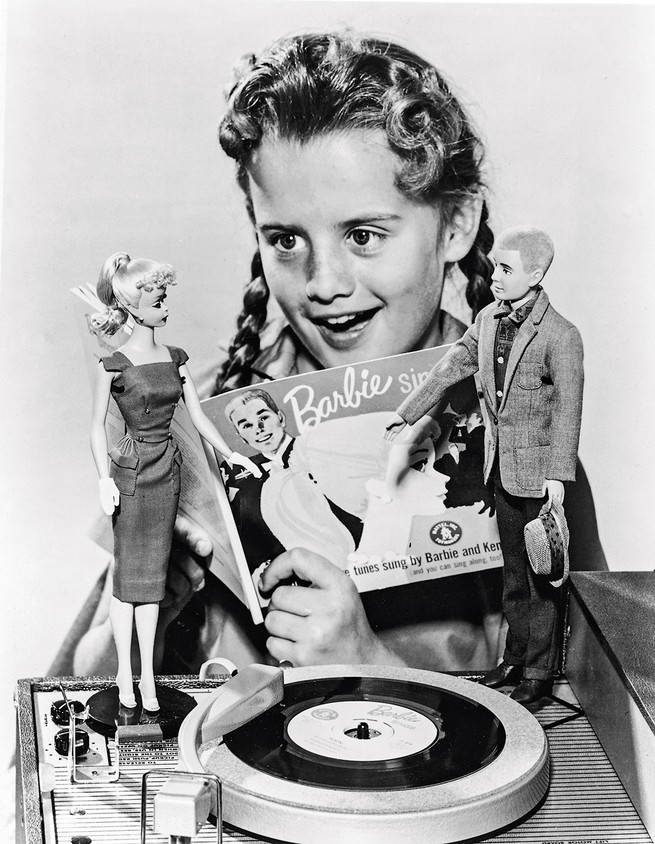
[[346, 323]]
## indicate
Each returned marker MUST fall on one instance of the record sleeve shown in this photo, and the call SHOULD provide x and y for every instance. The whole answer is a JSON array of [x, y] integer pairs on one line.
[[318, 439]]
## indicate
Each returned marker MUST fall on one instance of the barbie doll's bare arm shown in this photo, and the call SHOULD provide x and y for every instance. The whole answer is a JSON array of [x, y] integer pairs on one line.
[[207, 430], [109, 495]]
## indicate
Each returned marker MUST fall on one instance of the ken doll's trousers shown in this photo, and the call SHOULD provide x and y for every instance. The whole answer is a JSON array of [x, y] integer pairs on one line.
[[533, 608]]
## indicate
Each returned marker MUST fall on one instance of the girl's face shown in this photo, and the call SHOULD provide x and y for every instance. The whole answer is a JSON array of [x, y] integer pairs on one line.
[[356, 266]]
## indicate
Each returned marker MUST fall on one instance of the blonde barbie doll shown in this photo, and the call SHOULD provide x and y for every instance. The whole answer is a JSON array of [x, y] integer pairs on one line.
[[140, 484]]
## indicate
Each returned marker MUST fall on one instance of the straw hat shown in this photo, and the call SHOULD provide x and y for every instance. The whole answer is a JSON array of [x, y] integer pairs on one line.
[[547, 543]]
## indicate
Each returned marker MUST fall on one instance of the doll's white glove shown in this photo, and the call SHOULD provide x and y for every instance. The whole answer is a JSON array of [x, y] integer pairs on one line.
[[109, 495], [554, 490], [246, 462]]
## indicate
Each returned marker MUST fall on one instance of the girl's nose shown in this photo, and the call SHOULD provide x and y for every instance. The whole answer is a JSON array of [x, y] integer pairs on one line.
[[328, 276]]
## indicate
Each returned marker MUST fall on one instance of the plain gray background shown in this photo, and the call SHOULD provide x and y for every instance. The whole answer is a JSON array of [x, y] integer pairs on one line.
[[110, 144]]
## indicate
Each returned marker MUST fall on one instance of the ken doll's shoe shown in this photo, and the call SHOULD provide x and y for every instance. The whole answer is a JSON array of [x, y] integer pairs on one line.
[[502, 675], [530, 691]]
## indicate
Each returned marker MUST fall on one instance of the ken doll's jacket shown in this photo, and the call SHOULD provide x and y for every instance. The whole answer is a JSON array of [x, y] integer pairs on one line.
[[534, 428]]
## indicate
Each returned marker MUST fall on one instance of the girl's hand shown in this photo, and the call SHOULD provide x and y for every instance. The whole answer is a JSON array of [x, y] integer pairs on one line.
[[394, 426], [109, 495], [246, 462], [322, 622]]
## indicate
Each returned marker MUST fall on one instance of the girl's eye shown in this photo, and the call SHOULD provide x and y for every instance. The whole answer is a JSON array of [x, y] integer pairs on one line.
[[361, 237], [365, 239], [287, 242]]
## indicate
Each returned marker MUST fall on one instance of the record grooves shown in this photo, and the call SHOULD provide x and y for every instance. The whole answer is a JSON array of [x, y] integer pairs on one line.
[[468, 735]]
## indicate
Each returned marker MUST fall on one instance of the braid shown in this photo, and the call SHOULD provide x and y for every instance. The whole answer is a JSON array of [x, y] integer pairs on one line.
[[243, 351], [477, 267]]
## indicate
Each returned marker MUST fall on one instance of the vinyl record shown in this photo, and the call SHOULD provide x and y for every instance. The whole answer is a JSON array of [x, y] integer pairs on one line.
[[370, 734], [337, 758]]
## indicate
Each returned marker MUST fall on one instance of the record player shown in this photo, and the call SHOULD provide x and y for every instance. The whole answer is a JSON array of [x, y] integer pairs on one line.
[[309, 755]]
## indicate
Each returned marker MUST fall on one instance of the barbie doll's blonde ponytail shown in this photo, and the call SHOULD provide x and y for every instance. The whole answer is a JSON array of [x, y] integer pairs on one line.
[[110, 320]]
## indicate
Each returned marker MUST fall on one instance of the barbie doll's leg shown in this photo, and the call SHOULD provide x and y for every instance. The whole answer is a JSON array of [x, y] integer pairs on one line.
[[121, 615], [146, 616]]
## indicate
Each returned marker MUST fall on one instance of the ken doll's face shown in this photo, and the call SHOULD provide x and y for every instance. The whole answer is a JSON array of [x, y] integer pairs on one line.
[[510, 282], [259, 426]]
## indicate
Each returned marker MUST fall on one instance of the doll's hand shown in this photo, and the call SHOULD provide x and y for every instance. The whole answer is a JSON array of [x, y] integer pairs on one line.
[[109, 495], [321, 622], [393, 427], [246, 462], [554, 490]]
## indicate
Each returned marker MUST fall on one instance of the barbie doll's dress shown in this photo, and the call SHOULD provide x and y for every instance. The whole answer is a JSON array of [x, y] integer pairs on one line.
[[145, 465]]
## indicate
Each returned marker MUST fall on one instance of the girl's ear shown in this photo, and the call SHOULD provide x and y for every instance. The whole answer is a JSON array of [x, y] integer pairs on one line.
[[462, 229]]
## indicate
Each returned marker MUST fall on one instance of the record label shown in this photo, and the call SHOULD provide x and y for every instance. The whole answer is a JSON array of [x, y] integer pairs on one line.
[[362, 730]]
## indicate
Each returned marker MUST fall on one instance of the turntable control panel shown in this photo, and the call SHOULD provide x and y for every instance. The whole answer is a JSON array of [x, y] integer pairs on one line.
[[92, 793], [97, 797]]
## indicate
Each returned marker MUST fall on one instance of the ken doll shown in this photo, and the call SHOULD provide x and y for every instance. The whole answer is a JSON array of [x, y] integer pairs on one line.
[[527, 360]]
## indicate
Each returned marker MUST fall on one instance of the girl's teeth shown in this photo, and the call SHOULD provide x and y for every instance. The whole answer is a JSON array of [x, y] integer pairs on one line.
[[349, 321]]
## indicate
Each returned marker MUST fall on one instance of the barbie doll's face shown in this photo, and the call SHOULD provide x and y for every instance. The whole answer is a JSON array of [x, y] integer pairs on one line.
[[259, 426], [510, 282], [356, 266], [152, 310]]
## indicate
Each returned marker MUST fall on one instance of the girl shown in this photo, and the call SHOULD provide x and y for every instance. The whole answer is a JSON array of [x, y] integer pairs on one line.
[[362, 177], [142, 485]]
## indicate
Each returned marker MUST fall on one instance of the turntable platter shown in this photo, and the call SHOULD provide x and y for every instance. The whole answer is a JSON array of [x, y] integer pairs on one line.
[[378, 755]]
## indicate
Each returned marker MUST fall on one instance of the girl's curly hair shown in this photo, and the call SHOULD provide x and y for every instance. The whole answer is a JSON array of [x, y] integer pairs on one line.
[[308, 85]]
